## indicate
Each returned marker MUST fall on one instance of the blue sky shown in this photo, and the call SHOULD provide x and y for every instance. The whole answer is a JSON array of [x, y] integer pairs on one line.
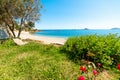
[[79, 14]]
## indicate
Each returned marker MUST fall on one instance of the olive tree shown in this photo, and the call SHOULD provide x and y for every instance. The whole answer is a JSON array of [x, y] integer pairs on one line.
[[19, 12]]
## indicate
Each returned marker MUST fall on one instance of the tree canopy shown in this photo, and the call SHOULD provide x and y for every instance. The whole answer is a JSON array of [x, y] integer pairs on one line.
[[19, 12]]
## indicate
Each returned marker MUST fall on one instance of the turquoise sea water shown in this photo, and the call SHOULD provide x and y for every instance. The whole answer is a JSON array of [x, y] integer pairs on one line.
[[78, 32]]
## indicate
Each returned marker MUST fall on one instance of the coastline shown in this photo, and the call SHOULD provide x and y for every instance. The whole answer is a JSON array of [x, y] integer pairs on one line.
[[44, 39]]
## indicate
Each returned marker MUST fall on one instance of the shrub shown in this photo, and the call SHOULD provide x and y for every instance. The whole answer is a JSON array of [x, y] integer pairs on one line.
[[8, 43], [95, 48]]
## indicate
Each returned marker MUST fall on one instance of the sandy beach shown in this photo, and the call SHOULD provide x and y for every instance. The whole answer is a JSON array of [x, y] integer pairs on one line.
[[44, 39]]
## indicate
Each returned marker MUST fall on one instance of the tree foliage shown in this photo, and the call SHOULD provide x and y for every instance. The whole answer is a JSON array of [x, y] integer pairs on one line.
[[30, 24], [19, 12]]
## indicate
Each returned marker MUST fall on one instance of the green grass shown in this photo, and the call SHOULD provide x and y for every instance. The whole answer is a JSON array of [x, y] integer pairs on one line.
[[35, 61]]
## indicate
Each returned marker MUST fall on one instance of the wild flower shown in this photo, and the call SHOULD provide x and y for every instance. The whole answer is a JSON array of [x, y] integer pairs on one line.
[[95, 72], [81, 78], [83, 69], [118, 66]]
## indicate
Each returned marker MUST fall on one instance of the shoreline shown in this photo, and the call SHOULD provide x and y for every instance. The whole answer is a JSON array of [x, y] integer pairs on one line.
[[44, 39]]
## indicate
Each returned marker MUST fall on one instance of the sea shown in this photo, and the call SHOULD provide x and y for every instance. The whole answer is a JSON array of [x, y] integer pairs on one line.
[[66, 33]]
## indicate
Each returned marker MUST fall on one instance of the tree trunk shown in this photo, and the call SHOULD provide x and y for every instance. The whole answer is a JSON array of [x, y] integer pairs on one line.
[[12, 30], [8, 31], [20, 30], [13, 33], [12, 22]]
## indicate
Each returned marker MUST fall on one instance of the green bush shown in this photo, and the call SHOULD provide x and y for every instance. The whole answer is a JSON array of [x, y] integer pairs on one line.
[[95, 48], [8, 43]]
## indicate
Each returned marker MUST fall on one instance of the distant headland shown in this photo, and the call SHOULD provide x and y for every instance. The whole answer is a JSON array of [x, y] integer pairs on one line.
[[86, 29], [115, 28]]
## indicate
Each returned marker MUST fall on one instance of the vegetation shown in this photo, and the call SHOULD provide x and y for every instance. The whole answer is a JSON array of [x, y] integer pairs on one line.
[[94, 48], [35, 61], [18, 13]]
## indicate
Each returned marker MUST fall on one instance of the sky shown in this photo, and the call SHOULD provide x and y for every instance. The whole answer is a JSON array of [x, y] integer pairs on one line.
[[79, 14]]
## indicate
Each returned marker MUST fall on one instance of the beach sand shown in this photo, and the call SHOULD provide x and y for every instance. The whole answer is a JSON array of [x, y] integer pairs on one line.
[[44, 39]]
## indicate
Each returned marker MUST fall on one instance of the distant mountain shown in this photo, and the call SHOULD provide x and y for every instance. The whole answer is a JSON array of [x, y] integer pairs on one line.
[[114, 28]]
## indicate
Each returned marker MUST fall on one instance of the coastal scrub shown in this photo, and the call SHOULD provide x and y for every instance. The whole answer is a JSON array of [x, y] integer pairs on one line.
[[94, 48]]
